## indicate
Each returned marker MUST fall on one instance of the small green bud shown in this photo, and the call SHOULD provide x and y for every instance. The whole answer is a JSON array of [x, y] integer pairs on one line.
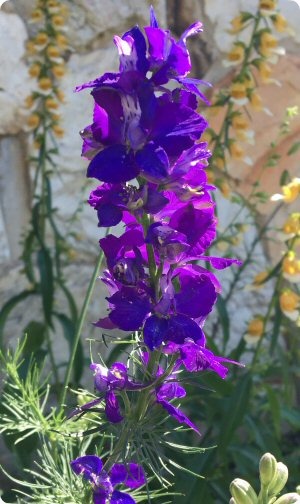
[[243, 492], [279, 480], [267, 468], [289, 498]]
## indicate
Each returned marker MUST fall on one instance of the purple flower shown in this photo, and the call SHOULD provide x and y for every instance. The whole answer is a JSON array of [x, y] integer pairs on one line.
[[103, 483]]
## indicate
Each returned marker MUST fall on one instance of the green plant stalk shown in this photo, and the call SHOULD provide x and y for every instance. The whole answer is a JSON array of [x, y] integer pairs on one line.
[[79, 327]]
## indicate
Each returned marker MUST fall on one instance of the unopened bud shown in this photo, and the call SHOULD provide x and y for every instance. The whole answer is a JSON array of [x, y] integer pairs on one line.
[[243, 492], [232, 501], [289, 498], [267, 468], [279, 480]]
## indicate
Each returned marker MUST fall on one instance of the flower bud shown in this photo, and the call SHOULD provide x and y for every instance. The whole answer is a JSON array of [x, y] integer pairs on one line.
[[279, 480], [289, 498], [232, 501], [267, 468], [243, 492]]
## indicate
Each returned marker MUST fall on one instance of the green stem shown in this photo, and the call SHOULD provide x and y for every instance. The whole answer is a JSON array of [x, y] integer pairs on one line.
[[79, 327], [51, 356]]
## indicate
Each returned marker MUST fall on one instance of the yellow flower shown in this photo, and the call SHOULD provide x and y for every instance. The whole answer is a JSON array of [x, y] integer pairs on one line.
[[58, 71], [238, 93], [280, 23], [267, 7], [29, 101], [60, 95], [61, 41], [241, 128], [219, 162], [34, 70], [290, 192], [267, 44], [64, 10], [236, 24], [292, 224], [37, 16], [235, 56], [45, 83], [289, 303], [256, 101], [53, 51], [41, 38], [254, 330], [224, 188], [265, 71], [33, 121], [258, 280], [51, 104], [236, 151], [58, 131], [55, 117], [52, 3], [30, 47], [57, 21], [291, 267]]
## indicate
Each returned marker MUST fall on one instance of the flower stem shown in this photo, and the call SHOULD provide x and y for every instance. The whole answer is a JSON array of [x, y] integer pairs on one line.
[[79, 327]]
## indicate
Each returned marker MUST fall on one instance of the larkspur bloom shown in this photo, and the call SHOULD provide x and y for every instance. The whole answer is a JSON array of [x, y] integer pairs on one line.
[[104, 482]]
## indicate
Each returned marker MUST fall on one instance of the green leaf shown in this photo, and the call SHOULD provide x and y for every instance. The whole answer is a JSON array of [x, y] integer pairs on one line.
[[69, 329], [276, 326], [295, 147], [274, 405], [224, 319], [70, 299], [27, 257], [46, 282], [285, 178], [9, 306], [235, 411], [34, 336]]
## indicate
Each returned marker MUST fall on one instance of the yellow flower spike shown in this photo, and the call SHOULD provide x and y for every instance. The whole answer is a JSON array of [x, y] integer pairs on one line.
[[51, 104], [37, 16], [58, 131], [53, 52], [58, 71], [241, 128], [33, 121], [259, 278], [41, 38], [57, 21], [52, 3], [238, 93], [254, 330], [291, 226], [34, 70], [56, 118], [45, 83], [280, 23], [236, 24], [267, 44], [235, 56]]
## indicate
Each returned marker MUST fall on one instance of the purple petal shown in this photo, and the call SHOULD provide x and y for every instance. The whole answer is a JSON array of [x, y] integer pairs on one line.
[[131, 308], [170, 390], [132, 475], [89, 466], [121, 498], [181, 327], [155, 201], [153, 162], [221, 262], [108, 127], [100, 498], [178, 415], [153, 20], [154, 331], [109, 215], [196, 358], [113, 164], [112, 408], [196, 297], [85, 407], [193, 29]]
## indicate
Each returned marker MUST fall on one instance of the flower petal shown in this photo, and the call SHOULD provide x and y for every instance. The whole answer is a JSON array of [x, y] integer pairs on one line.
[[132, 475], [154, 331], [178, 415], [121, 498], [89, 466], [112, 408]]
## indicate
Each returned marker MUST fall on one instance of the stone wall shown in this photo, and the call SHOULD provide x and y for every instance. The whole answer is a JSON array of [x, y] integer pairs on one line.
[[91, 26]]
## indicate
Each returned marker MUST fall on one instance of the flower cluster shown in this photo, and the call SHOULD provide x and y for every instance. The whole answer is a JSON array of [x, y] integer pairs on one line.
[[45, 51], [144, 146]]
